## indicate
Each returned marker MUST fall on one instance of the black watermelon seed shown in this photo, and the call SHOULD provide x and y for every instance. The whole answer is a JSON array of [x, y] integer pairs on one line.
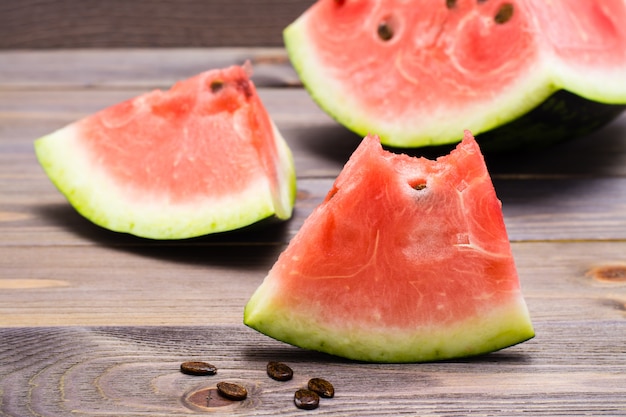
[[505, 13], [216, 85], [384, 31]]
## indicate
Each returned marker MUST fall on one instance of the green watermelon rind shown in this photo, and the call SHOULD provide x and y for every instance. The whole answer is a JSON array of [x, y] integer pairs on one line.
[[90, 191], [527, 96], [562, 116], [501, 327]]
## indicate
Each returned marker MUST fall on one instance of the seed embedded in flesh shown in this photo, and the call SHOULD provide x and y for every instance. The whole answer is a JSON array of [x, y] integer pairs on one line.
[[385, 32], [232, 391], [418, 185], [279, 371], [321, 387], [197, 368], [505, 13], [450, 4], [216, 85], [306, 399]]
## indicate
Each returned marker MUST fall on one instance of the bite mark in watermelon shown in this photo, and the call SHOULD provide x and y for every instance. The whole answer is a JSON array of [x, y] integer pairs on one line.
[[406, 260], [400, 68], [203, 157]]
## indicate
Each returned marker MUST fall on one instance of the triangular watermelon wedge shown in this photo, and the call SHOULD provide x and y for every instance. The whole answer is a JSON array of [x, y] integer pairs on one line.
[[401, 68], [406, 260], [201, 158]]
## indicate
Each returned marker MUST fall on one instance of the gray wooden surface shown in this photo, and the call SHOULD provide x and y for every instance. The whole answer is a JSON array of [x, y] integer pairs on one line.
[[97, 323], [38, 24]]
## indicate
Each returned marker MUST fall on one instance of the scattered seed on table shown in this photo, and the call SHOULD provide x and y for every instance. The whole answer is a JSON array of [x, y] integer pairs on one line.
[[279, 371], [306, 399], [232, 391], [322, 387], [197, 368]]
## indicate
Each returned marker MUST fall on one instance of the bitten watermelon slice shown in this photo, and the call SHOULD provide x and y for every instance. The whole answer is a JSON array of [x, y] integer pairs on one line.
[[406, 260], [201, 158], [514, 72]]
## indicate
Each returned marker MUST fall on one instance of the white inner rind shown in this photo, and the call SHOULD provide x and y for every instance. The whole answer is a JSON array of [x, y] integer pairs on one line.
[[285, 197], [502, 326], [108, 204]]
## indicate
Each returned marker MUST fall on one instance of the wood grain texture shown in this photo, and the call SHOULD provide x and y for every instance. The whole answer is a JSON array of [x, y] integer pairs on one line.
[[116, 282], [534, 210], [98, 68], [97, 323], [135, 370], [145, 23]]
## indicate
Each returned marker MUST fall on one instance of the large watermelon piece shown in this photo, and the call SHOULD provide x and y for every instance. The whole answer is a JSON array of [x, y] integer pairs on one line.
[[418, 72], [406, 260], [201, 158]]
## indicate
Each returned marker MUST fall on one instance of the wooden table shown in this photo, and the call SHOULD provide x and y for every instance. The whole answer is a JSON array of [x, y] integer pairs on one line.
[[94, 323]]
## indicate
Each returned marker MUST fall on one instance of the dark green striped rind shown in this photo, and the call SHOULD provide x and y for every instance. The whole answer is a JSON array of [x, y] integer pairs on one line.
[[562, 116]]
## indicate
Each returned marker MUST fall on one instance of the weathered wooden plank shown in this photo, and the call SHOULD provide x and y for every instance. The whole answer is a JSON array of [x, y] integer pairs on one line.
[[32, 211], [204, 282], [574, 369], [559, 209], [144, 23], [142, 284], [135, 68]]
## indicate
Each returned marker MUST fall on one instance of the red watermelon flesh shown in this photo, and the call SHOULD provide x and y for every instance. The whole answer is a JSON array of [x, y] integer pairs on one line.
[[406, 260], [200, 158], [399, 68]]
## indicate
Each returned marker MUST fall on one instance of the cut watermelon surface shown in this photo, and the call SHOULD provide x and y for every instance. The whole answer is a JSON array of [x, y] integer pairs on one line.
[[201, 158], [402, 68], [406, 260]]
